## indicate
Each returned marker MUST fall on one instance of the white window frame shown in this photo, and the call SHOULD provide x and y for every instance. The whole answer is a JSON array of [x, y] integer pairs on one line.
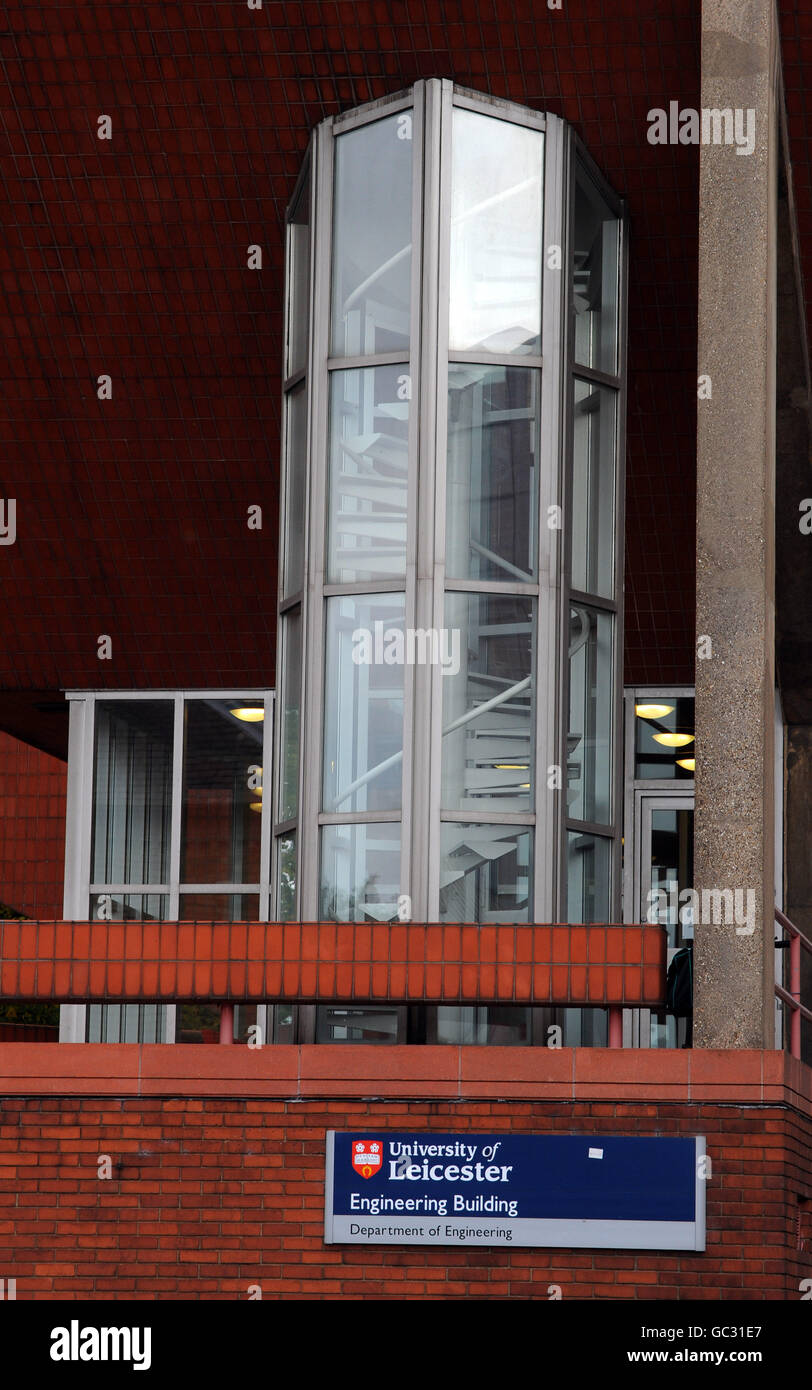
[[78, 885]]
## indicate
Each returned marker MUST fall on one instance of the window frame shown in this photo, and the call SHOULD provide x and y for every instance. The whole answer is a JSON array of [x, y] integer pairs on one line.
[[79, 887]]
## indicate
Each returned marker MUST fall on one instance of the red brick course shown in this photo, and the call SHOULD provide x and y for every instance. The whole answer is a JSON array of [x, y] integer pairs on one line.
[[212, 1194], [560, 964]]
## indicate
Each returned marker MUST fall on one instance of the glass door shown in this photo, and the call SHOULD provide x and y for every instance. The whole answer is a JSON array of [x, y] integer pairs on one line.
[[664, 823]]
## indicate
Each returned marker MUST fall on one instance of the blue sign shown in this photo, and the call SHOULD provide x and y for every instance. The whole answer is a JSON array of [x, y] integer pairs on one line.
[[603, 1191]]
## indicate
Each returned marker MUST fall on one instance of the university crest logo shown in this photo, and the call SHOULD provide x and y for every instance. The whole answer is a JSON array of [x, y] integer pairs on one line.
[[367, 1156]]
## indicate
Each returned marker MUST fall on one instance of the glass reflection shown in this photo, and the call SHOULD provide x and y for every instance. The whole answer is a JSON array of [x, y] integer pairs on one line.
[[295, 474], [593, 489], [484, 1025], [588, 877], [360, 872], [372, 1024], [589, 735], [485, 873], [369, 466], [488, 704], [596, 243], [132, 797], [291, 638], [491, 499], [496, 235], [286, 878], [363, 698], [298, 283], [655, 760], [372, 231], [222, 791]]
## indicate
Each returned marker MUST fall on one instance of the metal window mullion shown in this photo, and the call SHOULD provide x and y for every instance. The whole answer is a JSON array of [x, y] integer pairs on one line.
[[600, 830], [78, 823], [620, 549], [359, 588], [500, 109], [371, 112], [482, 358], [234, 889], [596, 601], [487, 816], [411, 775], [629, 740], [79, 806], [177, 810], [129, 888], [361, 361], [164, 694], [595, 376], [266, 815], [431, 495], [550, 737], [496, 587], [311, 726]]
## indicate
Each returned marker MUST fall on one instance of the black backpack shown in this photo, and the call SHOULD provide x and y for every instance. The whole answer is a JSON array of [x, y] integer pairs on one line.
[[679, 984]]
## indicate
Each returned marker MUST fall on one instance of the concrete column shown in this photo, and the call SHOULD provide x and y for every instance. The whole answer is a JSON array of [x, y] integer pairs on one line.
[[735, 675]]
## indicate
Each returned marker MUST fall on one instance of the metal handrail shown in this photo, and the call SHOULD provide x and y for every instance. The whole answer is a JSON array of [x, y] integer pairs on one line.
[[792, 997]]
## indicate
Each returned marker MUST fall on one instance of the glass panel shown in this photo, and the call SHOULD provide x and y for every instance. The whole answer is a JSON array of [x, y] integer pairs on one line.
[[363, 697], [360, 873], [671, 866], [596, 241], [219, 907], [295, 475], [496, 234], [369, 467], [284, 1023], [593, 489], [488, 704], [126, 1023], [222, 791], [664, 749], [197, 1023], [129, 907], [485, 873], [372, 238], [291, 639], [372, 1024], [298, 282], [132, 796], [589, 891], [488, 1025], [286, 880], [584, 1027], [491, 499], [589, 735]]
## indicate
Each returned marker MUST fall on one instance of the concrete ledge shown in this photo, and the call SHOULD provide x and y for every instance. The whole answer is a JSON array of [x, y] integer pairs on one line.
[[414, 1073]]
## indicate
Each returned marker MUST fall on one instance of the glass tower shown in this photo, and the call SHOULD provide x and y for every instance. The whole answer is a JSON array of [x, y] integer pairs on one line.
[[451, 574]]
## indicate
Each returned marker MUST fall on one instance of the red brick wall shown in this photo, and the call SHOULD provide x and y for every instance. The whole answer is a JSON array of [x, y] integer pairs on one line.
[[217, 1194], [32, 829]]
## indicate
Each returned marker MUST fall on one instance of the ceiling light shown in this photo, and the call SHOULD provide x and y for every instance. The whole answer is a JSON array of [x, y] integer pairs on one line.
[[688, 763], [511, 767], [673, 740], [250, 714], [255, 805], [653, 711]]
